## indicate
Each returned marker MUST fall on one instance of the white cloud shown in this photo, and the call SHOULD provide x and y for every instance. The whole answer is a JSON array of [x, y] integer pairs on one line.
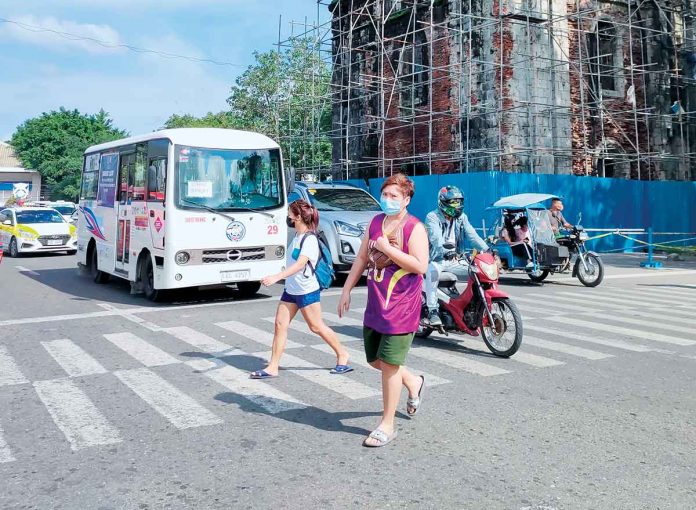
[[50, 32], [139, 98]]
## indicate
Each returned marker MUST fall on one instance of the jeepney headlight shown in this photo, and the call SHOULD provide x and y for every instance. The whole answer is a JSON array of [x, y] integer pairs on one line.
[[182, 258], [490, 270], [280, 252]]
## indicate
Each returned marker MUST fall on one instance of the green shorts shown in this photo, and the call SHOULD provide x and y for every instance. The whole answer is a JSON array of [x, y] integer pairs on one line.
[[391, 349]]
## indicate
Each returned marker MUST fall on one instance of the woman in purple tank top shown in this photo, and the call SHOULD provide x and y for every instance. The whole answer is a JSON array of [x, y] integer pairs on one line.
[[395, 254]]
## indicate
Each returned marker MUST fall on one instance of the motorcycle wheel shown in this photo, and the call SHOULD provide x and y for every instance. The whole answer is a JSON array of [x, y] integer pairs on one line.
[[595, 275], [424, 331], [507, 337], [538, 276]]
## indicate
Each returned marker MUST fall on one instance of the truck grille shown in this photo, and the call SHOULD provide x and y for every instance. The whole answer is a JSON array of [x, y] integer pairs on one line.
[[44, 240], [233, 255]]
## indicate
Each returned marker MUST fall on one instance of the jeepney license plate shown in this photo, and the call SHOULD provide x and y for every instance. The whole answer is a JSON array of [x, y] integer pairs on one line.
[[54, 242], [234, 276]]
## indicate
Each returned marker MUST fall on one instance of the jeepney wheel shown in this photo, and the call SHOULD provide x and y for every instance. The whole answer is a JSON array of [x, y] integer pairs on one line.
[[247, 289], [147, 277], [14, 249], [97, 275]]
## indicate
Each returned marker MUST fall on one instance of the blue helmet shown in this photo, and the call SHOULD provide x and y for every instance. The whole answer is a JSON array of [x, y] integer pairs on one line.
[[450, 200]]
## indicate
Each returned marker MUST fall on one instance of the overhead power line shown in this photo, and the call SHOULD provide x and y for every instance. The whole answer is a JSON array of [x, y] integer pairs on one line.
[[75, 37]]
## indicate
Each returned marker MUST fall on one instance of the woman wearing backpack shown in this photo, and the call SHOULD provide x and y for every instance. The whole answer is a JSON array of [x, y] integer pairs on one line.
[[302, 291]]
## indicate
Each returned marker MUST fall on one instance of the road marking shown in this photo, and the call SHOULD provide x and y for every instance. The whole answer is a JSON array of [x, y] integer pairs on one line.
[[537, 307], [535, 360], [74, 360], [128, 315], [342, 321], [588, 303], [144, 352], [666, 316], [656, 293], [655, 337], [659, 274], [5, 452], [651, 324], [26, 270], [341, 384], [359, 311], [564, 348], [181, 410], [238, 381], [458, 360], [255, 334], [623, 302], [671, 291], [9, 370], [357, 358], [618, 344], [301, 327], [154, 309], [75, 415], [201, 341]]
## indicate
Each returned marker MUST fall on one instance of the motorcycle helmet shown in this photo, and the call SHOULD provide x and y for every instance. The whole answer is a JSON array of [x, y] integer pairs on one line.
[[450, 200]]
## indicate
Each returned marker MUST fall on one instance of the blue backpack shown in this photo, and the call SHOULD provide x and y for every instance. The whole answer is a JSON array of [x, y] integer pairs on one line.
[[324, 270]]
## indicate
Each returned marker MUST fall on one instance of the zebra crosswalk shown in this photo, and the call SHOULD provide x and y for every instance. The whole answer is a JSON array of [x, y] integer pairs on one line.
[[567, 328]]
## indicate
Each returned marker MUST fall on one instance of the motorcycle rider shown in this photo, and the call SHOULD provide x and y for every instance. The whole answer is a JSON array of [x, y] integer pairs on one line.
[[447, 226]]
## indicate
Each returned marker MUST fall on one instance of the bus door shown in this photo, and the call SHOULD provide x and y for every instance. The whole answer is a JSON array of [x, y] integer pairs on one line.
[[156, 186], [123, 213]]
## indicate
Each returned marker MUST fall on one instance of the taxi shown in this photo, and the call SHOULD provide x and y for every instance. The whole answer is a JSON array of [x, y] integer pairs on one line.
[[34, 230]]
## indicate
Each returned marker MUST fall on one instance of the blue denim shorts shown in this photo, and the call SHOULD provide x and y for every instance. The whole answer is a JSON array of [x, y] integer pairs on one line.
[[302, 300]]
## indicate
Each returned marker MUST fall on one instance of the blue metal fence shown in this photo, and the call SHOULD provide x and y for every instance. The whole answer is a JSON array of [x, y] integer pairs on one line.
[[666, 206]]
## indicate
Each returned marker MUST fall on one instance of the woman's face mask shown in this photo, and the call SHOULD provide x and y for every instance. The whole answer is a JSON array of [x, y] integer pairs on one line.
[[390, 207], [290, 222]]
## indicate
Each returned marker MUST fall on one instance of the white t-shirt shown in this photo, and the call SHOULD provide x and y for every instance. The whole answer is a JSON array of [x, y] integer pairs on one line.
[[304, 281]]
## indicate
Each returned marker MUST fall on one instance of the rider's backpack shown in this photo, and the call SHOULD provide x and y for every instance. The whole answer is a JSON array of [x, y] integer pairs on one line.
[[324, 270]]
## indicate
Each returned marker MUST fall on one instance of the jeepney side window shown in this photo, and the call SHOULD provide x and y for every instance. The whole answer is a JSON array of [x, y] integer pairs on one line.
[[139, 173], [157, 179]]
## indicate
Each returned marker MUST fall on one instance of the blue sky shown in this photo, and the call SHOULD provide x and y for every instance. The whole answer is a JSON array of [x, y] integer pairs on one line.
[[41, 71]]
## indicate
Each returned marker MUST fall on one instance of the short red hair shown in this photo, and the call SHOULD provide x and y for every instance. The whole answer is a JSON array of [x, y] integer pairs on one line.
[[404, 184]]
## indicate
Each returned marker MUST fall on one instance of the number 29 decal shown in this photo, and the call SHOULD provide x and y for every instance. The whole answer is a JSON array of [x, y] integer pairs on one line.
[[272, 230]]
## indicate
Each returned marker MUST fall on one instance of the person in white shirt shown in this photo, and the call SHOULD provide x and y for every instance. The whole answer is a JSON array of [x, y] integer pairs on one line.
[[302, 292]]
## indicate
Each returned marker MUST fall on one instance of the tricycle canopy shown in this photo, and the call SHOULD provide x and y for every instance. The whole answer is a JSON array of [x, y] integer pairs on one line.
[[521, 201]]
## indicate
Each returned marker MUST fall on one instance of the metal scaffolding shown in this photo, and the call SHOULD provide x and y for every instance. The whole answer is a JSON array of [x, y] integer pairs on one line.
[[540, 86]]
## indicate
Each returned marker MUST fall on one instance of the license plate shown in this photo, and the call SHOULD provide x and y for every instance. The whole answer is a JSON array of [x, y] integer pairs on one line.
[[54, 242], [234, 276]]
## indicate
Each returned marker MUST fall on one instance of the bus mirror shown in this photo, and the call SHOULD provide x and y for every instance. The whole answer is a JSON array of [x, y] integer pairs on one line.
[[289, 179]]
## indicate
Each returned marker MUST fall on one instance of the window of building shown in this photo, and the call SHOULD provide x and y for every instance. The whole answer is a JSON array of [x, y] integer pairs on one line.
[[413, 79], [605, 49]]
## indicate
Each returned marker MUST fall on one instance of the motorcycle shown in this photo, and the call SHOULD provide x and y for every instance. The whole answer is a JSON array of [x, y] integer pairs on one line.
[[588, 267], [481, 309]]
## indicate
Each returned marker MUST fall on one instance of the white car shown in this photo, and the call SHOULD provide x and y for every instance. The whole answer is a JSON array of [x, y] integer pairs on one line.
[[66, 209], [34, 230]]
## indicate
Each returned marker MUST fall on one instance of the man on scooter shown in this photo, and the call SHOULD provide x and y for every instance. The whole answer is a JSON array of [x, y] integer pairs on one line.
[[447, 226]]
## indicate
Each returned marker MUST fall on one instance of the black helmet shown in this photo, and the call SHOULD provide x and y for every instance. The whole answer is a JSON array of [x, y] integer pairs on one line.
[[450, 200]]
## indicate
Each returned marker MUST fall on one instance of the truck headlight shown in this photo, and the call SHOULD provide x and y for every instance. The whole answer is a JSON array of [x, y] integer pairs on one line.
[[347, 229]]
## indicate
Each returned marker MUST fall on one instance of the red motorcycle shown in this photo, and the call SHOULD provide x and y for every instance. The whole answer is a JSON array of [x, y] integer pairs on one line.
[[482, 309]]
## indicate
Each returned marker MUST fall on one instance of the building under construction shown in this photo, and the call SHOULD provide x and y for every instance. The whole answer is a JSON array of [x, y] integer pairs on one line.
[[540, 86]]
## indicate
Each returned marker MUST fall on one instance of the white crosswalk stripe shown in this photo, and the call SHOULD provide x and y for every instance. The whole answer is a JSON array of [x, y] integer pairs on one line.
[[535, 360], [75, 414], [639, 322], [587, 304], [534, 306], [9, 370], [622, 302], [341, 384], [181, 410], [651, 295], [458, 360], [357, 358], [5, 452], [666, 317], [144, 352], [673, 292], [342, 321], [655, 337], [564, 348], [617, 344], [301, 326], [255, 334], [237, 381], [201, 341], [72, 358]]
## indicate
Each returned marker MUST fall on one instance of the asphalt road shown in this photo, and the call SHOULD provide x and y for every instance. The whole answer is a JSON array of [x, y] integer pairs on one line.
[[110, 402]]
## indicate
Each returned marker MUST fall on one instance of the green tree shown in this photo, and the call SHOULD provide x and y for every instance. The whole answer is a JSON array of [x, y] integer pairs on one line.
[[285, 96], [54, 143]]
